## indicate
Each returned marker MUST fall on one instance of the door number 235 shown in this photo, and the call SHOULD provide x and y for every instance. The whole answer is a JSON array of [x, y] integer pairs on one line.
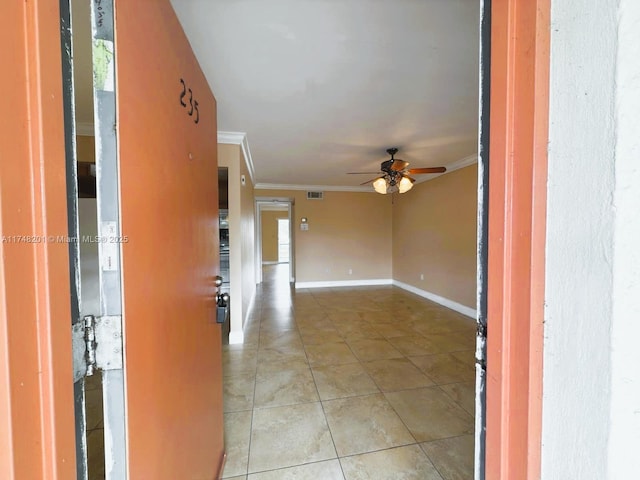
[[192, 105]]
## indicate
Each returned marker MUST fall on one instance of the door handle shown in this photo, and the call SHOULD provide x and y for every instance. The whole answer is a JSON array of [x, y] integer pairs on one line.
[[222, 302]]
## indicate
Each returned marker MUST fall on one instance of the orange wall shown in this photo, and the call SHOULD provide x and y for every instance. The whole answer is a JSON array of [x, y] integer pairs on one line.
[[270, 234], [347, 230], [434, 234]]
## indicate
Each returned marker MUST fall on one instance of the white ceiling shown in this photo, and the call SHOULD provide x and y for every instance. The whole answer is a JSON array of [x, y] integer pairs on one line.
[[324, 87]]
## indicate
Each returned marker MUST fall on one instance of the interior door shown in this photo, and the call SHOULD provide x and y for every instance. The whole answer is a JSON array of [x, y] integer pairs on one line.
[[167, 238]]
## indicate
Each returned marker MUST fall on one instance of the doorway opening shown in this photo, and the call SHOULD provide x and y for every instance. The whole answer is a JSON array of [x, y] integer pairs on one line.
[[275, 242]]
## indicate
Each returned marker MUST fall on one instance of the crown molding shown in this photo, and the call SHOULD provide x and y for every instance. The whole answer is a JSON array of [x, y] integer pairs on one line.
[[463, 162], [311, 188], [452, 167], [240, 138]]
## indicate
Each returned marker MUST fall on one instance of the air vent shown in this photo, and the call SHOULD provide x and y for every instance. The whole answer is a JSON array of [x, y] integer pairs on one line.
[[314, 195]]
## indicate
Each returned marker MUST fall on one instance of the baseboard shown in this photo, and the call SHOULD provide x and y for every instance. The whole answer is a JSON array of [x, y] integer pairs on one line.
[[344, 283], [236, 338], [445, 302]]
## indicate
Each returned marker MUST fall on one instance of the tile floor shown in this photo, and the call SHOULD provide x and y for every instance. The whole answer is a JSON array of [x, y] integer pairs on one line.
[[349, 383], [95, 427]]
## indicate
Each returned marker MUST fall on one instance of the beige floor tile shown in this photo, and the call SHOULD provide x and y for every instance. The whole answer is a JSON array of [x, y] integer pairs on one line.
[[289, 339], [373, 349], [288, 362], [402, 463], [394, 329], [293, 327], [317, 328], [328, 470], [445, 368], [452, 342], [467, 357], [238, 392], [286, 387], [275, 327], [368, 333], [93, 382], [464, 394], [95, 453], [319, 338], [337, 353], [396, 374], [281, 355], [416, 344], [288, 436], [383, 316], [430, 414], [363, 424], [237, 432], [443, 322], [453, 457], [236, 361], [93, 407], [338, 381], [345, 317]]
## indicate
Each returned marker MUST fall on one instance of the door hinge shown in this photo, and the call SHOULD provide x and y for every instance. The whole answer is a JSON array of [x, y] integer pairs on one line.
[[97, 344]]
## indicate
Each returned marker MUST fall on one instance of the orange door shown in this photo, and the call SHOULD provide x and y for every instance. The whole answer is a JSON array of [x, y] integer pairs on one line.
[[167, 150]]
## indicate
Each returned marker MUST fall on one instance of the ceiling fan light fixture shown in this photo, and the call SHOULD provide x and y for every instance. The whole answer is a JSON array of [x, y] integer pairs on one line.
[[405, 184], [380, 185]]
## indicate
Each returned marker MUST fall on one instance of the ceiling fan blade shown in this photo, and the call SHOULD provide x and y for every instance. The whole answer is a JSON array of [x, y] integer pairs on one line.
[[418, 171], [362, 173], [398, 165], [369, 181]]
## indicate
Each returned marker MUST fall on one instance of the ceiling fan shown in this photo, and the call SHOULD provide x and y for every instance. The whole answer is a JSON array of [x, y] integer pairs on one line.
[[395, 175]]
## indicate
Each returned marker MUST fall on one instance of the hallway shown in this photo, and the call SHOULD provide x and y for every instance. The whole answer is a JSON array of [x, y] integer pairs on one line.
[[349, 383]]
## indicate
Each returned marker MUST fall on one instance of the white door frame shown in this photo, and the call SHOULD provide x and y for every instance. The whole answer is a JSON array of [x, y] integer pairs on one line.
[[262, 203]]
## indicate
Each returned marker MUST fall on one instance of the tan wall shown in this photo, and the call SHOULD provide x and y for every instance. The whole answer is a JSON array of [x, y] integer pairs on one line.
[[434, 233], [270, 234], [247, 216], [241, 235], [347, 230]]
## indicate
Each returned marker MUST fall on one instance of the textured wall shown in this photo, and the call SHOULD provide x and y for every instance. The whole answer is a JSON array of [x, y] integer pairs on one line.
[[624, 461], [434, 234], [582, 140], [270, 234], [347, 230], [241, 237]]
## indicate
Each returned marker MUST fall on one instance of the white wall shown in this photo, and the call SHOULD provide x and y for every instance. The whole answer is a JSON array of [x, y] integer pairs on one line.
[[624, 438], [590, 390]]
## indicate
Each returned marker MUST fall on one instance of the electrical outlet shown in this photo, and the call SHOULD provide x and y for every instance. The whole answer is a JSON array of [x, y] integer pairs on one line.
[[350, 271], [422, 276]]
